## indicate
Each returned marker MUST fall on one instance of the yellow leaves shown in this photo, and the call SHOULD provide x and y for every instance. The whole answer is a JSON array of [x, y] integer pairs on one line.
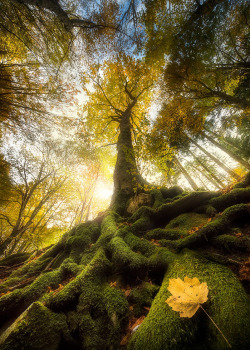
[[187, 295], [232, 84], [113, 284]]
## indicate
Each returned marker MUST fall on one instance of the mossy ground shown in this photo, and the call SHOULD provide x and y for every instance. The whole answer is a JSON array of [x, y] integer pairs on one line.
[[87, 290]]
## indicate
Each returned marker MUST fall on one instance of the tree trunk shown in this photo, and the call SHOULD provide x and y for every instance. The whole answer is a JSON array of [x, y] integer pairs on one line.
[[225, 140], [126, 174], [199, 177], [185, 173], [228, 152], [216, 160], [215, 178], [207, 177]]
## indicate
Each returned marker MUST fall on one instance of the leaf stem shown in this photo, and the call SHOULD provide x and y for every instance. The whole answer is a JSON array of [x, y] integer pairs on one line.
[[216, 327]]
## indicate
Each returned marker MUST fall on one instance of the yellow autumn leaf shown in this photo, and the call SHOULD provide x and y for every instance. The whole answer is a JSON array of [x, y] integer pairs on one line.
[[187, 295]]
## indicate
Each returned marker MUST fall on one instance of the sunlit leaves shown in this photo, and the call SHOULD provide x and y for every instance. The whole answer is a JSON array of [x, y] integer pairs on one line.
[[114, 83], [187, 295]]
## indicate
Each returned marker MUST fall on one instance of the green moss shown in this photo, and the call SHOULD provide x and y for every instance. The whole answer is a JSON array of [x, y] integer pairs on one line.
[[87, 257], [41, 284], [139, 245], [228, 305], [31, 268], [238, 195], [185, 204], [104, 310], [38, 329], [141, 225], [157, 198], [123, 257], [206, 209], [245, 182], [91, 297], [108, 229], [120, 201], [69, 267], [91, 332], [171, 192], [142, 212], [68, 296], [10, 282], [142, 296], [15, 259], [81, 238], [116, 304], [236, 213], [91, 229], [232, 243], [160, 233], [59, 259], [54, 250], [73, 320], [141, 220], [22, 298], [159, 261], [77, 246], [187, 221], [210, 211]]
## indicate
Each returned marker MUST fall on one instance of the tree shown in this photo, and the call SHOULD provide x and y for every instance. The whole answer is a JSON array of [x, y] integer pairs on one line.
[[207, 51], [105, 277], [121, 97], [25, 42], [185, 173], [30, 203]]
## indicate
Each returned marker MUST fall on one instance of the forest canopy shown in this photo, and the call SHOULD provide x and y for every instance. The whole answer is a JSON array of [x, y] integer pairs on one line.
[[124, 160], [72, 71]]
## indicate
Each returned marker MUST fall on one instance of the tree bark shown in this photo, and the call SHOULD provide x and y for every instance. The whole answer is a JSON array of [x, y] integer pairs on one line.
[[225, 140], [185, 173], [126, 174], [216, 160], [207, 177], [215, 178], [228, 152]]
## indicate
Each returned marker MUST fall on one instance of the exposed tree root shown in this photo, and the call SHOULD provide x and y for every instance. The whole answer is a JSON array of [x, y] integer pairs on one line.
[[105, 276]]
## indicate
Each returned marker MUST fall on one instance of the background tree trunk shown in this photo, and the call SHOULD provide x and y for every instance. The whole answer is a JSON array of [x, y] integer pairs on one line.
[[216, 160], [186, 175], [228, 152]]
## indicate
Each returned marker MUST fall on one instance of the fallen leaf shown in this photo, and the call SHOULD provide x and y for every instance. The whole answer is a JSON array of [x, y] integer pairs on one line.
[[187, 295], [245, 271], [125, 339], [155, 242], [112, 284], [238, 234], [60, 287], [137, 322], [127, 292]]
